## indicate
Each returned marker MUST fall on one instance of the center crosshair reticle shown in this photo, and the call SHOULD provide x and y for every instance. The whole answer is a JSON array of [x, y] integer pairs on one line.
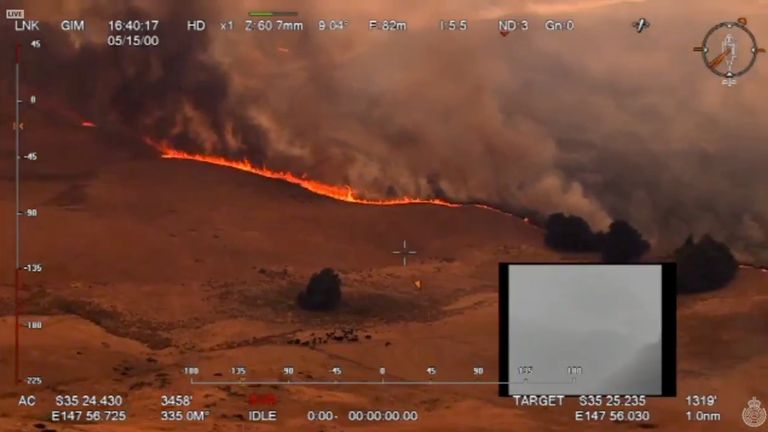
[[405, 252]]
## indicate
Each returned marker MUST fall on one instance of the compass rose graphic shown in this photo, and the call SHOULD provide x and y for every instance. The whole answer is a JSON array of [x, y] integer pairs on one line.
[[729, 50]]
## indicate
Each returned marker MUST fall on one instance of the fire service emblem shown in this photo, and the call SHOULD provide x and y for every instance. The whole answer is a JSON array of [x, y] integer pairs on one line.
[[753, 415]]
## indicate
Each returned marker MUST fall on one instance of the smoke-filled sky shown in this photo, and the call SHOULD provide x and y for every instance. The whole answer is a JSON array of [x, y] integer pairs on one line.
[[600, 121]]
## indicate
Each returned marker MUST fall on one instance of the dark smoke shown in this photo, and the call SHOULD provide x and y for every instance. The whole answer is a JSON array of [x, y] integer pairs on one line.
[[600, 122], [176, 93]]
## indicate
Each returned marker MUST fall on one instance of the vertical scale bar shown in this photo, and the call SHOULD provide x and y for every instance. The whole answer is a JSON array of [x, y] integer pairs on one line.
[[17, 271]]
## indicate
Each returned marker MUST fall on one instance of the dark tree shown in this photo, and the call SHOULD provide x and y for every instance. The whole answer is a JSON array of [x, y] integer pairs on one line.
[[704, 266], [623, 243], [323, 291], [570, 233]]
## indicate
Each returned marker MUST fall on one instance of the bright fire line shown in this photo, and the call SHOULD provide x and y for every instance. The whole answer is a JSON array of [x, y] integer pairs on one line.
[[341, 193]]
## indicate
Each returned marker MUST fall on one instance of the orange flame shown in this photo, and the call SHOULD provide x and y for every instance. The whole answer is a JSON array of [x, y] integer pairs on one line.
[[341, 193]]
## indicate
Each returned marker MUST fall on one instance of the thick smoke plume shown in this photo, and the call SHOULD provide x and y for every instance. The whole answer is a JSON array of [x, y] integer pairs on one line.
[[601, 121], [176, 93]]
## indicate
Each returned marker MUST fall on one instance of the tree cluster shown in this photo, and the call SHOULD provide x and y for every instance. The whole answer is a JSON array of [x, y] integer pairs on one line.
[[622, 242], [702, 266], [705, 265], [323, 292]]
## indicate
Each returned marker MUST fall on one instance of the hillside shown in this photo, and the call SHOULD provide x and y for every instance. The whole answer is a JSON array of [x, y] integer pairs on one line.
[[153, 265]]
